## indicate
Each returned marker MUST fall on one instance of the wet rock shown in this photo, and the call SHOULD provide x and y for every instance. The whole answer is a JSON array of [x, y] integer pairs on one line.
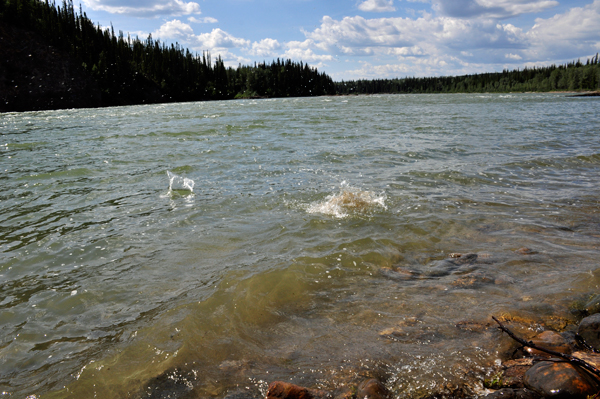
[[559, 380], [549, 340], [447, 266], [285, 390], [591, 358], [243, 394], [513, 373], [526, 251], [397, 273], [593, 305], [509, 393], [372, 389], [589, 330], [472, 280]]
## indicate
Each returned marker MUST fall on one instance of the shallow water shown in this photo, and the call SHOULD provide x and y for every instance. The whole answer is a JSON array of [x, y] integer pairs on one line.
[[204, 248]]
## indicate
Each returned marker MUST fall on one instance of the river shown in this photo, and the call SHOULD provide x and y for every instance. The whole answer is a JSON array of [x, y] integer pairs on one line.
[[205, 248]]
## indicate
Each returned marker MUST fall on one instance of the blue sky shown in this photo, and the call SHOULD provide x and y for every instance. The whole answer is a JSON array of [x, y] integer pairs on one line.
[[368, 39]]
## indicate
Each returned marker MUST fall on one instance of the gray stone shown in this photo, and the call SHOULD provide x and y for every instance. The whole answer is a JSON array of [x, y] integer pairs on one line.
[[589, 330]]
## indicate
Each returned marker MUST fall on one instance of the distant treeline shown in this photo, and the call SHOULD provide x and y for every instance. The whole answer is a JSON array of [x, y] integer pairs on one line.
[[573, 76], [129, 70]]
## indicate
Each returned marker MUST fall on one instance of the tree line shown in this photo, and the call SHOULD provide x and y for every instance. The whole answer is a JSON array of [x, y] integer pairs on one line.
[[131, 71], [572, 76]]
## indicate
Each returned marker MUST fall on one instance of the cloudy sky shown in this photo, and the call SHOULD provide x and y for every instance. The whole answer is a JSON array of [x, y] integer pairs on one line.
[[367, 39]]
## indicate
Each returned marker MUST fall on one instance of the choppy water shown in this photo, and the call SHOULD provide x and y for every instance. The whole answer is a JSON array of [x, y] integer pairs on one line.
[[219, 246]]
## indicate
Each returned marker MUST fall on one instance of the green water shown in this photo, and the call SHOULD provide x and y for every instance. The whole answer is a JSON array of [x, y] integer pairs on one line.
[[313, 246]]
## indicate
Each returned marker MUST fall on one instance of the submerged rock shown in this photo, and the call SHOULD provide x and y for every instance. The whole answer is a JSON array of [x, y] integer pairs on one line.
[[593, 305], [285, 390], [554, 379], [549, 340], [510, 393], [372, 389], [589, 330]]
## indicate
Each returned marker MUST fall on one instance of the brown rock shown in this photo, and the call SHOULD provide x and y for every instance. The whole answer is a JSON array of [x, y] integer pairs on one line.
[[372, 389], [559, 380], [514, 372], [549, 340], [285, 390], [589, 330], [591, 358]]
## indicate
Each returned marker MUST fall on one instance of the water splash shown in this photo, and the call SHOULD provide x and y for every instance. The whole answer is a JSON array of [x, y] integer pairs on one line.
[[179, 184], [349, 200]]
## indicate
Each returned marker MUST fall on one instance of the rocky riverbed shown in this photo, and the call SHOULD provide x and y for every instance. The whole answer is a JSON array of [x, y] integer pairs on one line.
[[519, 372]]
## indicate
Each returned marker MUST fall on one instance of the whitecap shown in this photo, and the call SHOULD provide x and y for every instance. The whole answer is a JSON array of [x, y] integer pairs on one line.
[[349, 200]]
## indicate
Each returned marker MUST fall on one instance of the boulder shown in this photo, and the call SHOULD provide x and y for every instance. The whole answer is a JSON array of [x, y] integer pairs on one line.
[[554, 379], [589, 330]]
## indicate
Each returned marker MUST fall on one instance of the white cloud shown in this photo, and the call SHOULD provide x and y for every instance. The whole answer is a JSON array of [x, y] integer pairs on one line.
[[265, 48], [377, 6], [219, 38], [146, 9], [490, 8], [404, 36], [174, 29], [513, 56], [205, 20], [571, 34], [302, 51]]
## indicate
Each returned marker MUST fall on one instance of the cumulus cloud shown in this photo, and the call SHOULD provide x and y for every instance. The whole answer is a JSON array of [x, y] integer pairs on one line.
[[265, 48], [303, 51], [413, 37], [490, 8], [566, 35], [146, 9], [205, 20], [377, 6]]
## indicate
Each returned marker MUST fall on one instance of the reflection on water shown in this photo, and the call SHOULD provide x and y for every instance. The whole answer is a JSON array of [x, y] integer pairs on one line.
[[331, 239]]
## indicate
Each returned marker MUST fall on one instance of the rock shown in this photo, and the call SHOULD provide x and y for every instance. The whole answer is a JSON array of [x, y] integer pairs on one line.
[[549, 340], [526, 251], [509, 393], [589, 330], [591, 358], [514, 372], [372, 389], [593, 305], [559, 380], [472, 280], [285, 390]]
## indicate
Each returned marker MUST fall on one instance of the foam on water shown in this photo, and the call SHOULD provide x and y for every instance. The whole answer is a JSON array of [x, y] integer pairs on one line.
[[349, 200]]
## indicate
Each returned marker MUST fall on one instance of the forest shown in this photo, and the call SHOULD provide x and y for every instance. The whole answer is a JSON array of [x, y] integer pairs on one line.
[[574, 76], [105, 68], [131, 71]]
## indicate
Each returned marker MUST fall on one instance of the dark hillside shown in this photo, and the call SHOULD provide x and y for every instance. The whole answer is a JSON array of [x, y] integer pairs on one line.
[[35, 75], [55, 57]]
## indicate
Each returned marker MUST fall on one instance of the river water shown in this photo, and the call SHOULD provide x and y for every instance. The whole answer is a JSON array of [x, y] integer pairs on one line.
[[205, 248]]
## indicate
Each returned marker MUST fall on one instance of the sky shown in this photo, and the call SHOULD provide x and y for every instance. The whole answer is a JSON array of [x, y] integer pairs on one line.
[[368, 39]]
